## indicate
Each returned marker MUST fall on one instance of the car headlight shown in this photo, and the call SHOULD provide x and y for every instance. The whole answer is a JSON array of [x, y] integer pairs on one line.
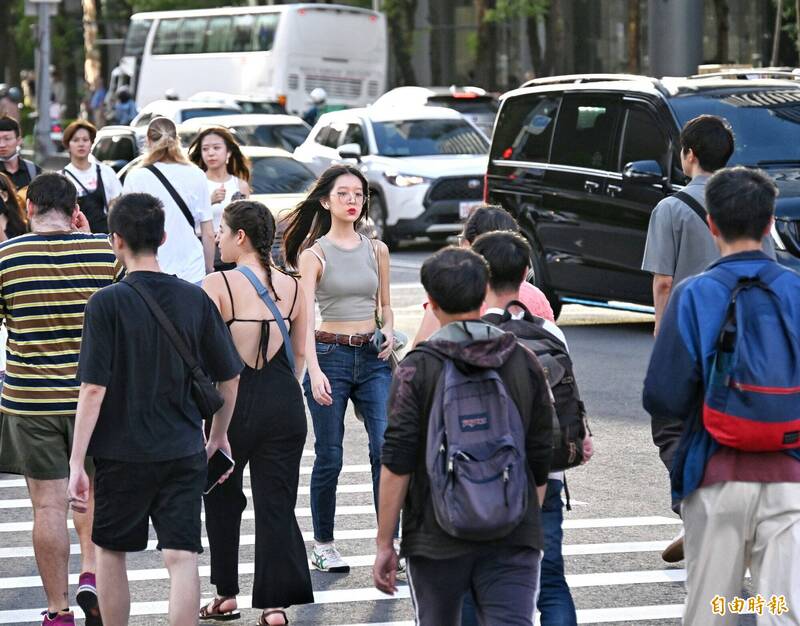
[[776, 237], [405, 180]]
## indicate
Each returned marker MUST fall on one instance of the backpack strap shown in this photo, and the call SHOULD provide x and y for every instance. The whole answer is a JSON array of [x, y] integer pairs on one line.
[[175, 195], [30, 166], [101, 187], [263, 292], [693, 204]]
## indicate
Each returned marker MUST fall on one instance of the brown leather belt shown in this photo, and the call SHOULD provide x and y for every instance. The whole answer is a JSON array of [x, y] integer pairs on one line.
[[354, 341]]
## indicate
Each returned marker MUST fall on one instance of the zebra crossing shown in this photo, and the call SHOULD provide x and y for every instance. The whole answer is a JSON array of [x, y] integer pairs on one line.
[[613, 565]]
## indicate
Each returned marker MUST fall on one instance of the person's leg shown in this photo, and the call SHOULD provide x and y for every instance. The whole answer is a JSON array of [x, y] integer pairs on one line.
[[51, 539], [505, 584], [777, 534], [184, 587], [337, 364], [371, 396], [716, 519], [469, 615], [555, 600], [112, 587], [437, 588], [87, 580]]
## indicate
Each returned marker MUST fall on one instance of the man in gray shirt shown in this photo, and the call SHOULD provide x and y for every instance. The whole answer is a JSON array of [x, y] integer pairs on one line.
[[679, 243]]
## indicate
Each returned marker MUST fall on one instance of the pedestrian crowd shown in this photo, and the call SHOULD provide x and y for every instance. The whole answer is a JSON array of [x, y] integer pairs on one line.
[[155, 351]]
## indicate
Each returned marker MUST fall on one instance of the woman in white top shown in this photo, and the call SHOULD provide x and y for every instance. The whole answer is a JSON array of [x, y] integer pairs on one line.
[[181, 186], [87, 174], [216, 152]]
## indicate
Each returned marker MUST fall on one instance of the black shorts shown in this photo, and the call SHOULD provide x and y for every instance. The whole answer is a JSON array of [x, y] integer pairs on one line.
[[128, 495]]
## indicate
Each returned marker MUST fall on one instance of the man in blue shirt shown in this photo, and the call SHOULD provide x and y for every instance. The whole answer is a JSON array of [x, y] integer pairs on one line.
[[740, 509]]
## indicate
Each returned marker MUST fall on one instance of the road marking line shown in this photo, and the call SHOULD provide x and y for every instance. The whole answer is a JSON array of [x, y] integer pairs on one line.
[[614, 522]]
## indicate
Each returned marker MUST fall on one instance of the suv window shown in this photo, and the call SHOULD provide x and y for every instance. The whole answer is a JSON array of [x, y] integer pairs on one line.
[[585, 132], [642, 139], [354, 134], [328, 136], [525, 128]]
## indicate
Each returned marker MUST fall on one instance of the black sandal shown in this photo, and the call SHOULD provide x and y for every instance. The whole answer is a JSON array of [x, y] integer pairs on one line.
[[212, 612], [262, 621]]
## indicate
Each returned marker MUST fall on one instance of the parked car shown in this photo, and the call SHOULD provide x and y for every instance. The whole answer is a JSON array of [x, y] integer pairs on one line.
[[582, 160], [247, 104], [473, 103], [116, 146], [425, 165], [267, 131], [180, 111]]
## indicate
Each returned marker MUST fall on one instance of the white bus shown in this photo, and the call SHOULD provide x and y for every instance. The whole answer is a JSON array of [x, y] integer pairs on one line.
[[279, 53]]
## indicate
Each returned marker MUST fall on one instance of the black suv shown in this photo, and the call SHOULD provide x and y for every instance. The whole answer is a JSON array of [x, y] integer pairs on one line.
[[582, 160]]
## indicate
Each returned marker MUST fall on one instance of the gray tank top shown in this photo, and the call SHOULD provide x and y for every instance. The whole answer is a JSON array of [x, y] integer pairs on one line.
[[346, 290]]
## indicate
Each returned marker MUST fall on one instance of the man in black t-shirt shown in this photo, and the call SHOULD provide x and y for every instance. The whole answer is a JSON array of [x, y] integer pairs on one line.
[[137, 418], [19, 170]]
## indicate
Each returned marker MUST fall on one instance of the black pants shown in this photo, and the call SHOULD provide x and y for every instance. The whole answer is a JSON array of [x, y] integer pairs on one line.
[[273, 453]]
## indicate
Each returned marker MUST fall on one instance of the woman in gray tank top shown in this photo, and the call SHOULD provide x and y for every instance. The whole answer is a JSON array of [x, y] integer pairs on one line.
[[340, 270]]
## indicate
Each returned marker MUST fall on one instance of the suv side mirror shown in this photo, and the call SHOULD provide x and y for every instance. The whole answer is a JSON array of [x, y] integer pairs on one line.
[[643, 172], [350, 151]]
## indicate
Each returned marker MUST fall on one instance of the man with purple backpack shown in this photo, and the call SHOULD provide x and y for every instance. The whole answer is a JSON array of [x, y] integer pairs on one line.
[[466, 456], [726, 363]]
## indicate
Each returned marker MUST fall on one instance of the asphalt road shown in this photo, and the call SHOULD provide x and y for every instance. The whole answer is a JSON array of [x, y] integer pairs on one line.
[[613, 536]]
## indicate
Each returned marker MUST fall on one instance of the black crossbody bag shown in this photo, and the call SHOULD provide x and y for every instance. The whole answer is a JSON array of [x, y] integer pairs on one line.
[[206, 395]]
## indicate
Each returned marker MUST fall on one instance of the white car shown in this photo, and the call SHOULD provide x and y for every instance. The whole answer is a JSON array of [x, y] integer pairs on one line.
[[425, 165], [248, 104], [267, 131], [180, 111]]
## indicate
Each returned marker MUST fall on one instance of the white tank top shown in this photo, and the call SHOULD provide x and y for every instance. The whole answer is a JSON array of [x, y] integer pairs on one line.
[[231, 187]]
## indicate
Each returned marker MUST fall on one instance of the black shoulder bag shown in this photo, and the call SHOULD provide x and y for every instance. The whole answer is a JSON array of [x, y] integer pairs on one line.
[[205, 394], [175, 195]]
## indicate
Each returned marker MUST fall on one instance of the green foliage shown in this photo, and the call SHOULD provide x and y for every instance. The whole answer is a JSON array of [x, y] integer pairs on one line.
[[507, 10], [170, 5]]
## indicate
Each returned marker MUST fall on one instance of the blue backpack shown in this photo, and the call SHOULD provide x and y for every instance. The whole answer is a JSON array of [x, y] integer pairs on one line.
[[475, 454], [752, 401]]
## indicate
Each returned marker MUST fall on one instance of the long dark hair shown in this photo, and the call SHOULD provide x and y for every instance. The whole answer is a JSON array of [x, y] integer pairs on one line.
[[258, 224], [310, 220], [238, 164], [16, 224]]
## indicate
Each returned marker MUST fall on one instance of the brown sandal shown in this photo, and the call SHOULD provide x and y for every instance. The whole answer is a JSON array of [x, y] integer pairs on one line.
[[212, 612], [262, 621]]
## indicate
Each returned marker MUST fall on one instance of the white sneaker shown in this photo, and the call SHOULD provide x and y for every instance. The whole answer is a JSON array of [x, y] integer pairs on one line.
[[326, 558]]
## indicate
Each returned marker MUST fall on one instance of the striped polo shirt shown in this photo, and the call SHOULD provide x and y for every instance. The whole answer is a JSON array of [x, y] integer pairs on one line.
[[45, 281]]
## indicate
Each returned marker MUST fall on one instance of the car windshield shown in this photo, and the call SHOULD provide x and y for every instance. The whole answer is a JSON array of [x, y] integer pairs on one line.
[[406, 138], [250, 106], [190, 114], [279, 175], [765, 122], [286, 136], [472, 105]]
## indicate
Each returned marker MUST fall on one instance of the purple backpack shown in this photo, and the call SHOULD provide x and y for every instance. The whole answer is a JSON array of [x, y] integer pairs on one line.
[[475, 454]]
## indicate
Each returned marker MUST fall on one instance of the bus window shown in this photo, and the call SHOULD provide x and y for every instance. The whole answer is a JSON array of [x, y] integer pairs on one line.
[[220, 35], [191, 35], [166, 38], [136, 38], [243, 33], [266, 24]]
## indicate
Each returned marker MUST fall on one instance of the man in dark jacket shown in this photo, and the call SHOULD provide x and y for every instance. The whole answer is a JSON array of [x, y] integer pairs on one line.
[[503, 573]]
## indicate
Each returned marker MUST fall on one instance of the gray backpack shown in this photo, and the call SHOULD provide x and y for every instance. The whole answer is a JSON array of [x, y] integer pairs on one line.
[[475, 454]]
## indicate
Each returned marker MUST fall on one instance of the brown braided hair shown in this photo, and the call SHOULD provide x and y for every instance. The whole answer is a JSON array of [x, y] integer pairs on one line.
[[258, 224]]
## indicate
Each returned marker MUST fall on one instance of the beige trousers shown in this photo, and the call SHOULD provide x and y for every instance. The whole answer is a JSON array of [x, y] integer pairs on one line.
[[731, 527]]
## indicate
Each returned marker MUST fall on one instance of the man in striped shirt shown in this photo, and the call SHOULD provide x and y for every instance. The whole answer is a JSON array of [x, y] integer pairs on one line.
[[46, 277]]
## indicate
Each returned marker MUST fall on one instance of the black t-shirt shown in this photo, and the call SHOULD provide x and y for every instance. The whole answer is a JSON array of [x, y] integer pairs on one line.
[[21, 178], [148, 413]]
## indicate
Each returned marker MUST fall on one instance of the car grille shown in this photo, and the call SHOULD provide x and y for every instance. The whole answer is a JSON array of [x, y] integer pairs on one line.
[[335, 86], [462, 188]]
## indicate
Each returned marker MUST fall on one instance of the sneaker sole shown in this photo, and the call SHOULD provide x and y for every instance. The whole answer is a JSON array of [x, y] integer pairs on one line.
[[87, 600], [340, 569]]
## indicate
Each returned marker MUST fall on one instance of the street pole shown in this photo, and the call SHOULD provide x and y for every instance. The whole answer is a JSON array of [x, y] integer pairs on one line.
[[43, 145]]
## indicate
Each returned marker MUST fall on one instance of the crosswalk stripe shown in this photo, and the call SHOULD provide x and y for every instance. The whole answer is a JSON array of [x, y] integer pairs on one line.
[[366, 560], [305, 470]]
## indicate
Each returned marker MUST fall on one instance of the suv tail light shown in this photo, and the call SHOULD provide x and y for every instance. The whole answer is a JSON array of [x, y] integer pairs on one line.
[[486, 188]]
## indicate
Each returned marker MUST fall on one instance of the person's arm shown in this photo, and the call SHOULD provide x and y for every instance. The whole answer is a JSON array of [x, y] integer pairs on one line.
[[207, 237], [386, 313], [539, 438], [393, 490], [310, 269], [218, 436], [427, 327], [112, 185], [299, 332], [90, 399], [662, 287]]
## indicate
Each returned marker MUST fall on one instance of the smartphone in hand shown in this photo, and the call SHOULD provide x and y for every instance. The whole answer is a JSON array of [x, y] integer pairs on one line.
[[218, 464]]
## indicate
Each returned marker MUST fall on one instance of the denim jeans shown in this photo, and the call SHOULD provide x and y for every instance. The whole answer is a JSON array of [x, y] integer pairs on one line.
[[555, 600], [357, 374]]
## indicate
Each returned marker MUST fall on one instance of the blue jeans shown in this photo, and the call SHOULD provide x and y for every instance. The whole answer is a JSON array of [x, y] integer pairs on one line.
[[357, 374], [555, 600]]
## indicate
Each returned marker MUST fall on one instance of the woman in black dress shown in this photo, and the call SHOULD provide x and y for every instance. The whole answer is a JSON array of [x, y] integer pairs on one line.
[[268, 429]]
